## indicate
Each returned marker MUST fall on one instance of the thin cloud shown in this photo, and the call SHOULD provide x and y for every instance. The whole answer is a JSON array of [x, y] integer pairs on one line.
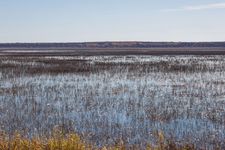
[[198, 7]]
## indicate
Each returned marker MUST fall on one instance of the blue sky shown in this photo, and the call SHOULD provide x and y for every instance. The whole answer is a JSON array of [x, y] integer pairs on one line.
[[111, 20]]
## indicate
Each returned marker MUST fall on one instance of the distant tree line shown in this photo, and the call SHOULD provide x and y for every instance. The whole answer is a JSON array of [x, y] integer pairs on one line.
[[113, 45]]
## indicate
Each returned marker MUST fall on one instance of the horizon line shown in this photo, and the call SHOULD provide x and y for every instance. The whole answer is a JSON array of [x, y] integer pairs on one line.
[[114, 42]]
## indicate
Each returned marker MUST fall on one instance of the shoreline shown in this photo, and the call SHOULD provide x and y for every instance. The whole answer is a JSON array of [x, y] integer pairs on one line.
[[54, 51]]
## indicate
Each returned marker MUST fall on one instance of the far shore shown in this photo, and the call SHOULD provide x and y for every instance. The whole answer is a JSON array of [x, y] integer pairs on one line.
[[110, 51]]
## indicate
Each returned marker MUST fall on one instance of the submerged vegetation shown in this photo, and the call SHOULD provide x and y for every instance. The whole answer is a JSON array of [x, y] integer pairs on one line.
[[112, 102]]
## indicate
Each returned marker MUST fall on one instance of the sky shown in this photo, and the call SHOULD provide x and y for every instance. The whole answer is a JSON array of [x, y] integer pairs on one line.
[[111, 20]]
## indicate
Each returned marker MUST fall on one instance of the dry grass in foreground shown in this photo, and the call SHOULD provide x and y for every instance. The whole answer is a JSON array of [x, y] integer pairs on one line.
[[58, 141]]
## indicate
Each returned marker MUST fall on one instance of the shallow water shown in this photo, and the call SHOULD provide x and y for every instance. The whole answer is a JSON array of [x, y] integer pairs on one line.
[[183, 96]]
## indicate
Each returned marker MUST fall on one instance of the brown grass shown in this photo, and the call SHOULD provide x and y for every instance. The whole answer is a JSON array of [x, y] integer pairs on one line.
[[72, 141]]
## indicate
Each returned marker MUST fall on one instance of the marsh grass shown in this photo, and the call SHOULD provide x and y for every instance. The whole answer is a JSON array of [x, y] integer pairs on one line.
[[113, 102], [56, 142], [72, 141]]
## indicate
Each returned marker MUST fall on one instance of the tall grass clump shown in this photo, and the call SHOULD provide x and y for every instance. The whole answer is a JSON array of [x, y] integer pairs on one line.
[[57, 141]]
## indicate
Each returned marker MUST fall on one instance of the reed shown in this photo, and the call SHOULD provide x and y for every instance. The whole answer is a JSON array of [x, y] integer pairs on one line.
[[72, 141]]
